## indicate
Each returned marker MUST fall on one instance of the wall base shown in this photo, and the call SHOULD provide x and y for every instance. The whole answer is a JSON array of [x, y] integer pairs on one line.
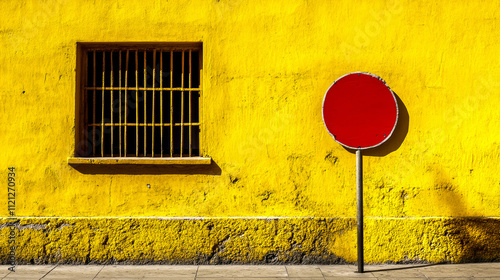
[[248, 240]]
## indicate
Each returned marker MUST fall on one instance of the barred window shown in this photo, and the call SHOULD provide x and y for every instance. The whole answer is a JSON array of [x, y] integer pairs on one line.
[[139, 100]]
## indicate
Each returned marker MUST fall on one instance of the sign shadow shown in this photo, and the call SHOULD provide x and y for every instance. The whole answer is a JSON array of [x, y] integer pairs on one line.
[[406, 267]]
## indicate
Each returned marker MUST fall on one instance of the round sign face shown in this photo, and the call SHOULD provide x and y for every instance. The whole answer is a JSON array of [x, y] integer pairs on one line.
[[360, 111]]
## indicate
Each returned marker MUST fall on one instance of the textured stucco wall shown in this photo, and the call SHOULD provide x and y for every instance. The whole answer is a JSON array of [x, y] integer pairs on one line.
[[267, 65], [258, 241]]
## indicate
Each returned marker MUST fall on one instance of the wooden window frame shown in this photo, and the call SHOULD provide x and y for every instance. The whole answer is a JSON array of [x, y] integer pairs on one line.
[[82, 142]]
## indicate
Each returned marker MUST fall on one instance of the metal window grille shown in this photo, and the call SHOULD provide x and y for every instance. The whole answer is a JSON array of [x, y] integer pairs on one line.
[[142, 101]]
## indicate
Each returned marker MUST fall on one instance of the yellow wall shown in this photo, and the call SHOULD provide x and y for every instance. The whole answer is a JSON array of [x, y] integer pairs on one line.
[[267, 65]]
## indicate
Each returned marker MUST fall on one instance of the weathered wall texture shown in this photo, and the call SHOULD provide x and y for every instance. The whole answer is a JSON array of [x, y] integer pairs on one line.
[[259, 241], [267, 65]]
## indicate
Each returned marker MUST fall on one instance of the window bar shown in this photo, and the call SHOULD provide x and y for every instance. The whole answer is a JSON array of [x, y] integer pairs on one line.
[[171, 104], [93, 108], [136, 103], [145, 106], [182, 102], [120, 100], [189, 112], [112, 123], [140, 88], [161, 103], [200, 92], [126, 98], [102, 105], [153, 111]]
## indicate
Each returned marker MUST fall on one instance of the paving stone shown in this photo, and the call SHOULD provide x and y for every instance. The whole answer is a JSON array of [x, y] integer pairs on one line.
[[241, 271], [344, 271], [311, 271], [29, 271]]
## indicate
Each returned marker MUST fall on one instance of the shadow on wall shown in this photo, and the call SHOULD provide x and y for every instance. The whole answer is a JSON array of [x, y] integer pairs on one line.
[[397, 138], [474, 238]]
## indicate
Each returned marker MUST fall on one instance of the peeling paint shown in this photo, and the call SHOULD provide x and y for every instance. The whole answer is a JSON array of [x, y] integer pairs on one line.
[[250, 240]]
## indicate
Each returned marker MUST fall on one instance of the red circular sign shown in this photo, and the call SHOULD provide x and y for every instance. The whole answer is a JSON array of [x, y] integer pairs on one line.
[[360, 111]]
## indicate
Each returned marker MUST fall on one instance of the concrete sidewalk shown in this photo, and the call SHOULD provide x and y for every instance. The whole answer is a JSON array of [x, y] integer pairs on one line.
[[254, 272]]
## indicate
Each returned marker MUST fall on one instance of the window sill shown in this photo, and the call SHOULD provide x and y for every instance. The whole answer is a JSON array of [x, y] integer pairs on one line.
[[191, 161], [142, 166]]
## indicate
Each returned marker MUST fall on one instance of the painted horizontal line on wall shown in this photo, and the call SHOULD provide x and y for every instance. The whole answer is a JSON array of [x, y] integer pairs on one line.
[[257, 218]]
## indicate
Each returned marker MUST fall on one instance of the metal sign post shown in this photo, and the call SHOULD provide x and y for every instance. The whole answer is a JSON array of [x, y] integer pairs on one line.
[[360, 112], [359, 191]]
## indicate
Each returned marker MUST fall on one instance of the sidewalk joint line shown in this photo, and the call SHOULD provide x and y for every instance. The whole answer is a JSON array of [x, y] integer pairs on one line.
[[196, 275], [50, 271], [98, 272]]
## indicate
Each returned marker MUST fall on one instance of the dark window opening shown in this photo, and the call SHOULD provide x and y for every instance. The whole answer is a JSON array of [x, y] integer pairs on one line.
[[141, 101]]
